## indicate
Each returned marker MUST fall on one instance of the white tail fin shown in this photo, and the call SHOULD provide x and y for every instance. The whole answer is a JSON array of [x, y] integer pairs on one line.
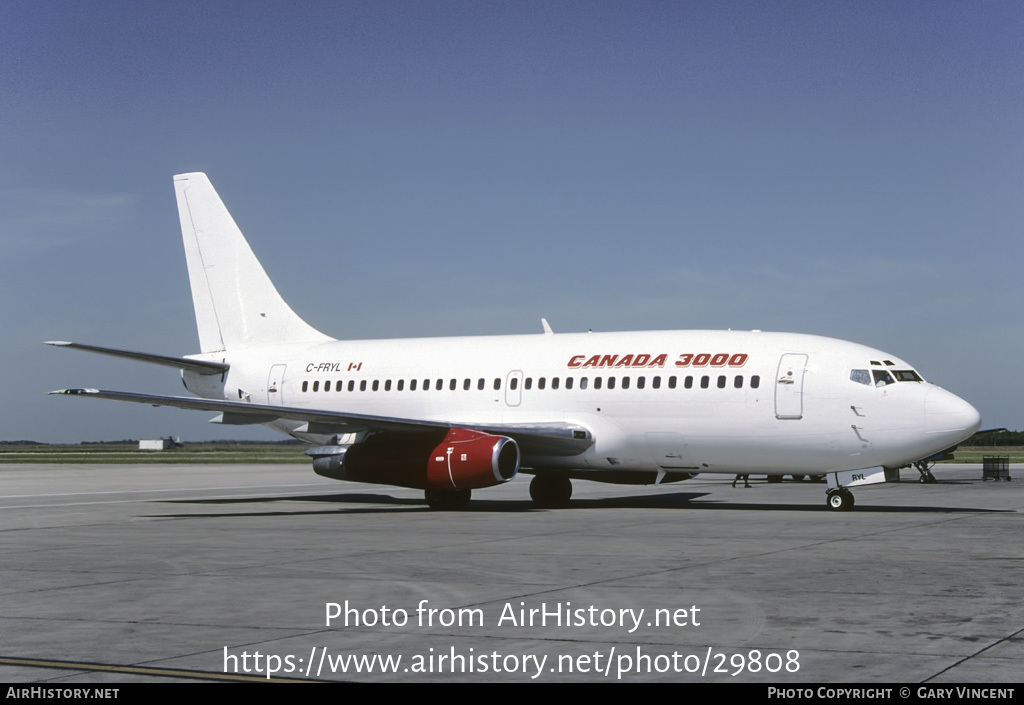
[[236, 304]]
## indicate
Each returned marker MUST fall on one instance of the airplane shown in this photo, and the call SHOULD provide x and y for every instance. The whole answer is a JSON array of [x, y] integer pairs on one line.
[[450, 415]]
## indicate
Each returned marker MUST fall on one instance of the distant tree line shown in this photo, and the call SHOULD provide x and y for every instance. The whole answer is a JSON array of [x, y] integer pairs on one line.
[[130, 442], [996, 438]]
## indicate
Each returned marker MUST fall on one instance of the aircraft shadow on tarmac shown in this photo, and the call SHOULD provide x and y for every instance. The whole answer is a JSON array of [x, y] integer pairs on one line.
[[357, 504]]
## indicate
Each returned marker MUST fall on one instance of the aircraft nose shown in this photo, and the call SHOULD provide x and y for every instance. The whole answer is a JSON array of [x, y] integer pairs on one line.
[[949, 415]]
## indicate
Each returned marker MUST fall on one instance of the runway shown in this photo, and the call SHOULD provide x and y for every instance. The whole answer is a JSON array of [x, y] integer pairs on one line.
[[167, 572]]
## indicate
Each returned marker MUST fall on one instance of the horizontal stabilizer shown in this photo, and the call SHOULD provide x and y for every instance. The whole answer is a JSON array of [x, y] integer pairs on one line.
[[201, 367]]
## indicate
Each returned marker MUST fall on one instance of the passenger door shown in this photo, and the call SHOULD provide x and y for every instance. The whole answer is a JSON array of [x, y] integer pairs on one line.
[[789, 386], [275, 385]]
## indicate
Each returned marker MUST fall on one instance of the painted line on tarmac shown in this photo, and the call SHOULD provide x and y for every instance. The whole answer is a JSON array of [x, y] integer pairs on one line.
[[143, 671]]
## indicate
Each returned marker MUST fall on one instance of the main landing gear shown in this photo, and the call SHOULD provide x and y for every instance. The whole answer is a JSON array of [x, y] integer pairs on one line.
[[839, 500], [447, 499], [550, 491]]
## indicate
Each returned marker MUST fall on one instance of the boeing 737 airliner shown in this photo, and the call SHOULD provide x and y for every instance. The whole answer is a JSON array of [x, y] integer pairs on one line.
[[449, 415]]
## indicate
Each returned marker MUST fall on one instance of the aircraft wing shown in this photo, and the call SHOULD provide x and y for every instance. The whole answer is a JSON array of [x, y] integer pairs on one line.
[[555, 438]]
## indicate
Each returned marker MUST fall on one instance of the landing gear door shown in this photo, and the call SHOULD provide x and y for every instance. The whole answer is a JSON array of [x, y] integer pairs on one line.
[[789, 386], [275, 385]]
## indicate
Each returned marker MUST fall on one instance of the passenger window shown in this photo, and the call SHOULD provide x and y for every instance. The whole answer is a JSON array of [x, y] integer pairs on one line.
[[755, 381], [688, 382], [704, 382], [861, 377], [583, 382], [362, 385], [656, 382], [480, 384], [351, 385], [376, 384], [611, 383], [554, 382], [439, 384], [338, 385], [672, 382], [597, 382], [401, 384], [412, 385], [625, 382], [497, 383], [738, 382], [568, 382], [641, 382], [452, 385], [513, 384], [305, 386], [465, 384], [721, 381], [528, 384], [316, 386], [387, 385], [541, 383]]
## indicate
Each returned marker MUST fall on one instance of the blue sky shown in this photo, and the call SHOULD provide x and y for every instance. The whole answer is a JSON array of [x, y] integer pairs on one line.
[[457, 168]]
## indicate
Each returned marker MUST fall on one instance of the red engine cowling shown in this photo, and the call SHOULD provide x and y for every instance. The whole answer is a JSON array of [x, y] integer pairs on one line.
[[462, 459]]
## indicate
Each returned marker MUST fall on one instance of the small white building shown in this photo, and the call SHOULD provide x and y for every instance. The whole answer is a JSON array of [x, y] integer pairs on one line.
[[161, 444]]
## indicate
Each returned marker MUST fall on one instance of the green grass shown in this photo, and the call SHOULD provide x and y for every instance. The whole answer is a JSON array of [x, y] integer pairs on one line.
[[110, 453], [974, 454]]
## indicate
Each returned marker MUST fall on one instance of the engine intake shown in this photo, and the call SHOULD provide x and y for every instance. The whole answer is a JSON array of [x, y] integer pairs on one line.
[[461, 459]]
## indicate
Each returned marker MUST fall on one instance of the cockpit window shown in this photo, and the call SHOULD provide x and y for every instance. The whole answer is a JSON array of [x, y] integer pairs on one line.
[[882, 378], [861, 377], [907, 376]]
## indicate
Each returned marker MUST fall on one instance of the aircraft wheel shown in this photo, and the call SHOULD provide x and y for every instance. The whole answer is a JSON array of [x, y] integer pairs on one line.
[[445, 500], [798, 478], [773, 479], [550, 491], [840, 500]]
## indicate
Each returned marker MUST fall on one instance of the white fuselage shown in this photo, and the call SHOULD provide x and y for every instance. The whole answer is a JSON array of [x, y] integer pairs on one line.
[[698, 401]]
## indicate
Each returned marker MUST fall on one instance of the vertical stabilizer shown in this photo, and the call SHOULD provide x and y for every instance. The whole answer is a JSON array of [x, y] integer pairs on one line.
[[236, 304]]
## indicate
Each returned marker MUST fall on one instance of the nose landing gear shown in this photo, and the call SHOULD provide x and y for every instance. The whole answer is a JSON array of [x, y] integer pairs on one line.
[[839, 500], [924, 467]]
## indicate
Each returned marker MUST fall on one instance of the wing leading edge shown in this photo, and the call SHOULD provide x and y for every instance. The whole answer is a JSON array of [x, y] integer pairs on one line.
[[552, 439]]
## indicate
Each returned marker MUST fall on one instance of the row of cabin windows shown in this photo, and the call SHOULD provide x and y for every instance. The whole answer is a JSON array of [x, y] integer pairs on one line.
[[542, 383]]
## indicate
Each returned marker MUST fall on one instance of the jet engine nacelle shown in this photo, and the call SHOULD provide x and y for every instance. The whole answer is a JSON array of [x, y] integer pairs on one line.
[[463, 460]]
